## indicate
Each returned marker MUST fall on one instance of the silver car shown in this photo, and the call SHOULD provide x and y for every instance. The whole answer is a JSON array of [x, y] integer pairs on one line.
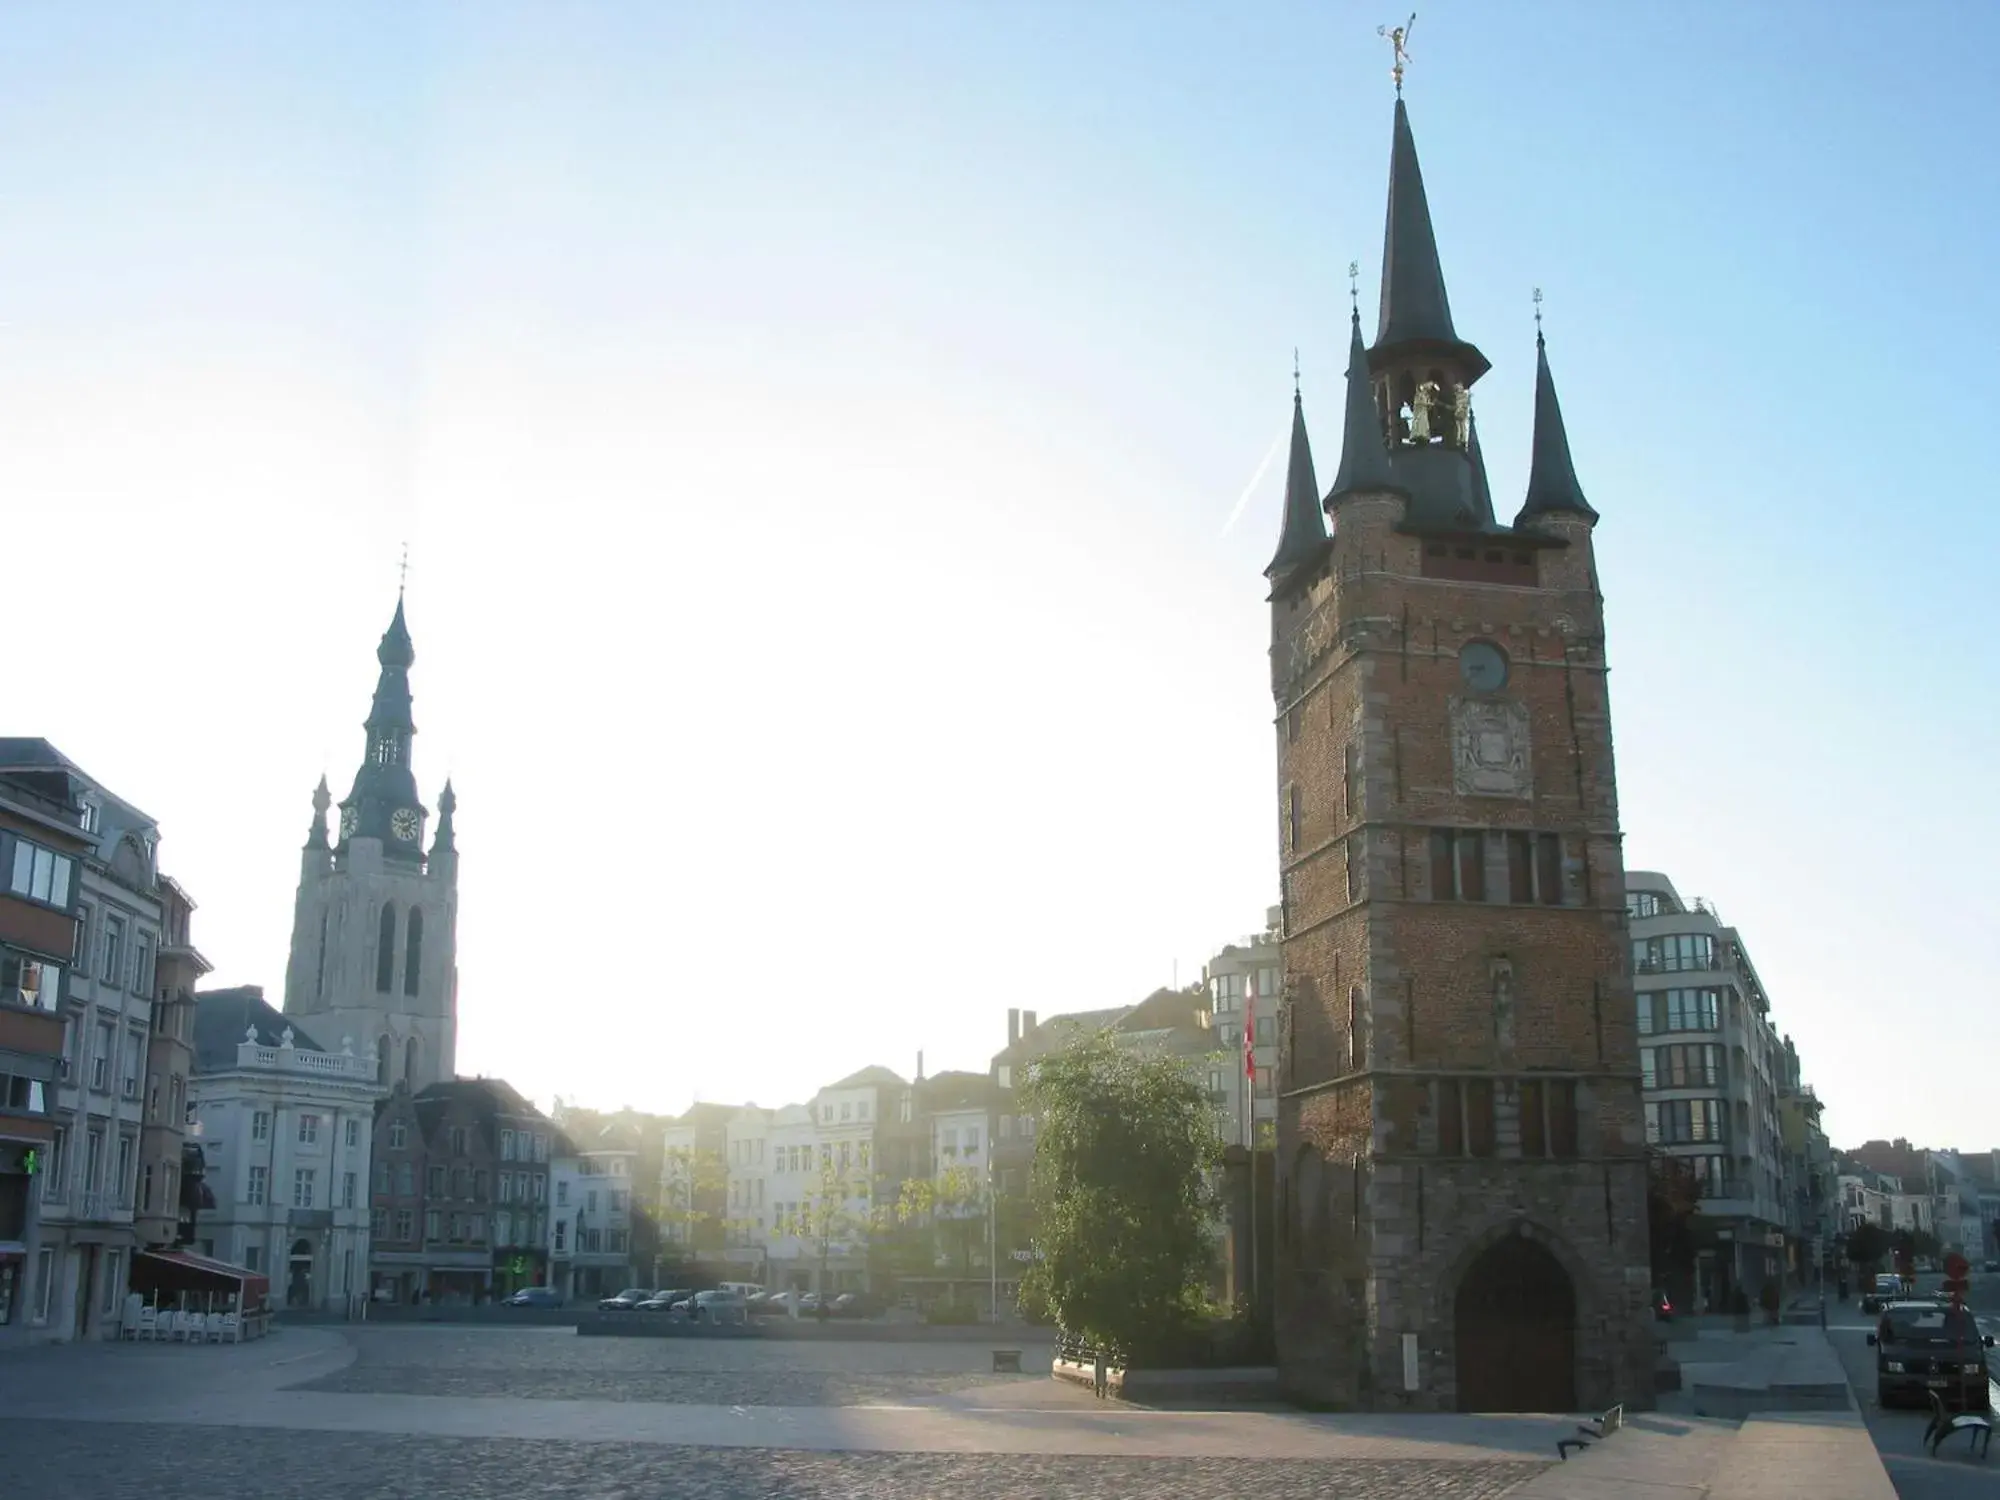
[[718, 1308]]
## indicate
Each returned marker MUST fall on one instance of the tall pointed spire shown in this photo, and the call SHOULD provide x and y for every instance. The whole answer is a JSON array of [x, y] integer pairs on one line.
[[322, 800], [1415, 307], [1304, 531], [446, 841], [1552, 486], [1364, 456], [383, 804]]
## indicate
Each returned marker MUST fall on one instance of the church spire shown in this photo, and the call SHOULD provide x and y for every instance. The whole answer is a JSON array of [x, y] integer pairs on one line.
[[1552, 486], [1364, 457], [322, 800], [1304, 531], [1416, 312], [383, 804], [446, 841]]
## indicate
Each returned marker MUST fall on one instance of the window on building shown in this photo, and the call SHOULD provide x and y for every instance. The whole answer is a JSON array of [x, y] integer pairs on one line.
[[378, 1223], [30, 982], [260, 1126], [41, 874], [1521, 868], [406, 1178], [479, 1185], [562, 1195], [1643, 903], [385, 949], [1350, 786], [562, 1235], [1563, 1122], [1548, 869], [506, 1145], [1479, 1117], [253, 1258], [1679, 952], [433, 1224], [308, 1130], [302, 1188], [413, 954], [1662, 1011], [135, 1048], [458, 1140], [352, 1135], [100, 1061], [1451, 1118], [399, 1135], [113, 970], [254, 1191], [406, 1224], [1671, 1122], [1263, 1083], [460, 1182], [121, 1185], [347, 1189], [146, 1188], [1458, 864], [1534, 1123], [114, 1281]]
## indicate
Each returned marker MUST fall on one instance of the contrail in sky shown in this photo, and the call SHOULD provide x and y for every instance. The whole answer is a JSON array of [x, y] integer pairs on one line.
[[1255, 480]]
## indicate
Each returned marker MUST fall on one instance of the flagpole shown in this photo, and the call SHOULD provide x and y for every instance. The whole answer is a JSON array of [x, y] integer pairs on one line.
[[1250, 1118]]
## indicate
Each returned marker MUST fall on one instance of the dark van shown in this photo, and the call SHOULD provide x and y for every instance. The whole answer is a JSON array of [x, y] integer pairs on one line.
[[1921, 1347]]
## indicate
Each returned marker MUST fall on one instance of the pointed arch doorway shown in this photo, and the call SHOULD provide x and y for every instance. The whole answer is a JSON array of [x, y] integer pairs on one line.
[[1515, 1319]]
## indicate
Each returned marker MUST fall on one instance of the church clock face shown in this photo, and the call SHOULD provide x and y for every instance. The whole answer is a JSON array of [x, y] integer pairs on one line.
[[404, 824], [1484, 666], [349, 821]]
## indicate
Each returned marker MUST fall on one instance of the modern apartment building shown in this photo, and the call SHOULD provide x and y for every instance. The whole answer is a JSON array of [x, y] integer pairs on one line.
[[1712, 1066], [43, 847], [286, 1129], [1246, 986]]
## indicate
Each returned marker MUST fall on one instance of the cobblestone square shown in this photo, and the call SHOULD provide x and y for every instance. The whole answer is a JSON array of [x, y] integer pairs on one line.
[[436, 1413]]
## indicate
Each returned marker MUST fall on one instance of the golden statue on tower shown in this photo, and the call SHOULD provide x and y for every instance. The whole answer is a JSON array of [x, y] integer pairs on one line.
[[1399, 40]]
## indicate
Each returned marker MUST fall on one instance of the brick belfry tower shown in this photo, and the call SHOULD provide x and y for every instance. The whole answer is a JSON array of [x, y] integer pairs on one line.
[[375, 928], [1462, 1186]]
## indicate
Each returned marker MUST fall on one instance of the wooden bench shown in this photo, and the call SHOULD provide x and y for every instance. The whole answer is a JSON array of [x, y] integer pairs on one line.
[[1944, 1424], [1006, 1361], [1598, 1430]]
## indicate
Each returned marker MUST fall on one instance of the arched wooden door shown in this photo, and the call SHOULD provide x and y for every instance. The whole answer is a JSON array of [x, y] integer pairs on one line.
[[1516, 1327]]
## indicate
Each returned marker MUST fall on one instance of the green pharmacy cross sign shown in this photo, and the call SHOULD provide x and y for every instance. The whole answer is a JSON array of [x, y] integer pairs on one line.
[[518, 1266], [31, 1161]]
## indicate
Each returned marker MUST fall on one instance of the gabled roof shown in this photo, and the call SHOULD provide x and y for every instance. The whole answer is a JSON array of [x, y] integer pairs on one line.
[[222, 1019], [485, 1098], [873, 1077]]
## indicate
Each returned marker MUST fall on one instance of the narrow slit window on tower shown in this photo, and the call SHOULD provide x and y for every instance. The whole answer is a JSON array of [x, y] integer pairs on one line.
[[1534, 1134], [1521, 868], [385, 949], [1350, 791], [1451, 1118], [1442, 885], [1354, 867], [319, 969], [1471, 866], [1479, 1117], [413, 957], [1548, 869], [1295, 815], [1562, 1119]]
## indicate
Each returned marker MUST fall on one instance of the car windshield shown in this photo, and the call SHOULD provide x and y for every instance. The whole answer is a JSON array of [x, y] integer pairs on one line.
[[1932, 1325], [635, 1291], [1888, 1283]]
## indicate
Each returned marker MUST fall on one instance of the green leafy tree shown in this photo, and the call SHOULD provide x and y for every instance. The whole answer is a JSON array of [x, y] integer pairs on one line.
[[949, 1209], [1867, 1243], [1673, 1197], [1124, 1150], [827, 1217], [694, 1190]]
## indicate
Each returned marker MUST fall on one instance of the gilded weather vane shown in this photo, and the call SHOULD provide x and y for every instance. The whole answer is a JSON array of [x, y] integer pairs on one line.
[[1399, 39], [1354, 286]]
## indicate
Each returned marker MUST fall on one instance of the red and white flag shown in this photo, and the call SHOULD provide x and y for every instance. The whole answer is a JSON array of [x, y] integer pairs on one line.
[[1250, 1027]]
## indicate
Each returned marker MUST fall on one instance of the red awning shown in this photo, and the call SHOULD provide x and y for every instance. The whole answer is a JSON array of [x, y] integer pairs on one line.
[[183, 1269]]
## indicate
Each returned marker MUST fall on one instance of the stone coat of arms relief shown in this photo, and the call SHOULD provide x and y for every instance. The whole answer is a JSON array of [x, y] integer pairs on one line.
[[1489, 748]]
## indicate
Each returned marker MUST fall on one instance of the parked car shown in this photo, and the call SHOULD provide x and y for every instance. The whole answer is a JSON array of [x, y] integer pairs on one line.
[[1923, 1347], [663, 1301], [1886, 1289], [625, 1301], [533, 1296], [856, 1305], [718, 1308]]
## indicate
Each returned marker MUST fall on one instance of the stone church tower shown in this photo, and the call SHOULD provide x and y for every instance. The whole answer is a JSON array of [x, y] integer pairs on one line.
[[1462, 1184], [374, 930]]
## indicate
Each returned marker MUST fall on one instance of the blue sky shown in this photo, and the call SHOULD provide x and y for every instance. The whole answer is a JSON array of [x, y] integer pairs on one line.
[[814, 428]]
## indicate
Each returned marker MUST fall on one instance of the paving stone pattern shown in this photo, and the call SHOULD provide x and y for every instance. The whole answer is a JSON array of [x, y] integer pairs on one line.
[[695, 1372], [98, 1461]]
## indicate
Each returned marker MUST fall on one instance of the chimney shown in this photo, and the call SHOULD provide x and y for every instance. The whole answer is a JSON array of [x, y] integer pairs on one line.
[[1027, 1022], [920, 1065], [1013, 1025]]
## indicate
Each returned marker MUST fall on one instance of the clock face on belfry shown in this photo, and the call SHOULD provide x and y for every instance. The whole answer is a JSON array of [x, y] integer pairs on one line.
[[404, 824], [349, 821]]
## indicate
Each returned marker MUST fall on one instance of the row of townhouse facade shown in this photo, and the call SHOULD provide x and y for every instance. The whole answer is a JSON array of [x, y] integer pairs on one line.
[[1726, 1102], [1951, 1196]]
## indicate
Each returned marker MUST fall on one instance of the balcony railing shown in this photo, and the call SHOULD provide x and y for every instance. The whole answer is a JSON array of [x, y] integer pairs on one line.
[[96, 1205], [295, 1060]]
